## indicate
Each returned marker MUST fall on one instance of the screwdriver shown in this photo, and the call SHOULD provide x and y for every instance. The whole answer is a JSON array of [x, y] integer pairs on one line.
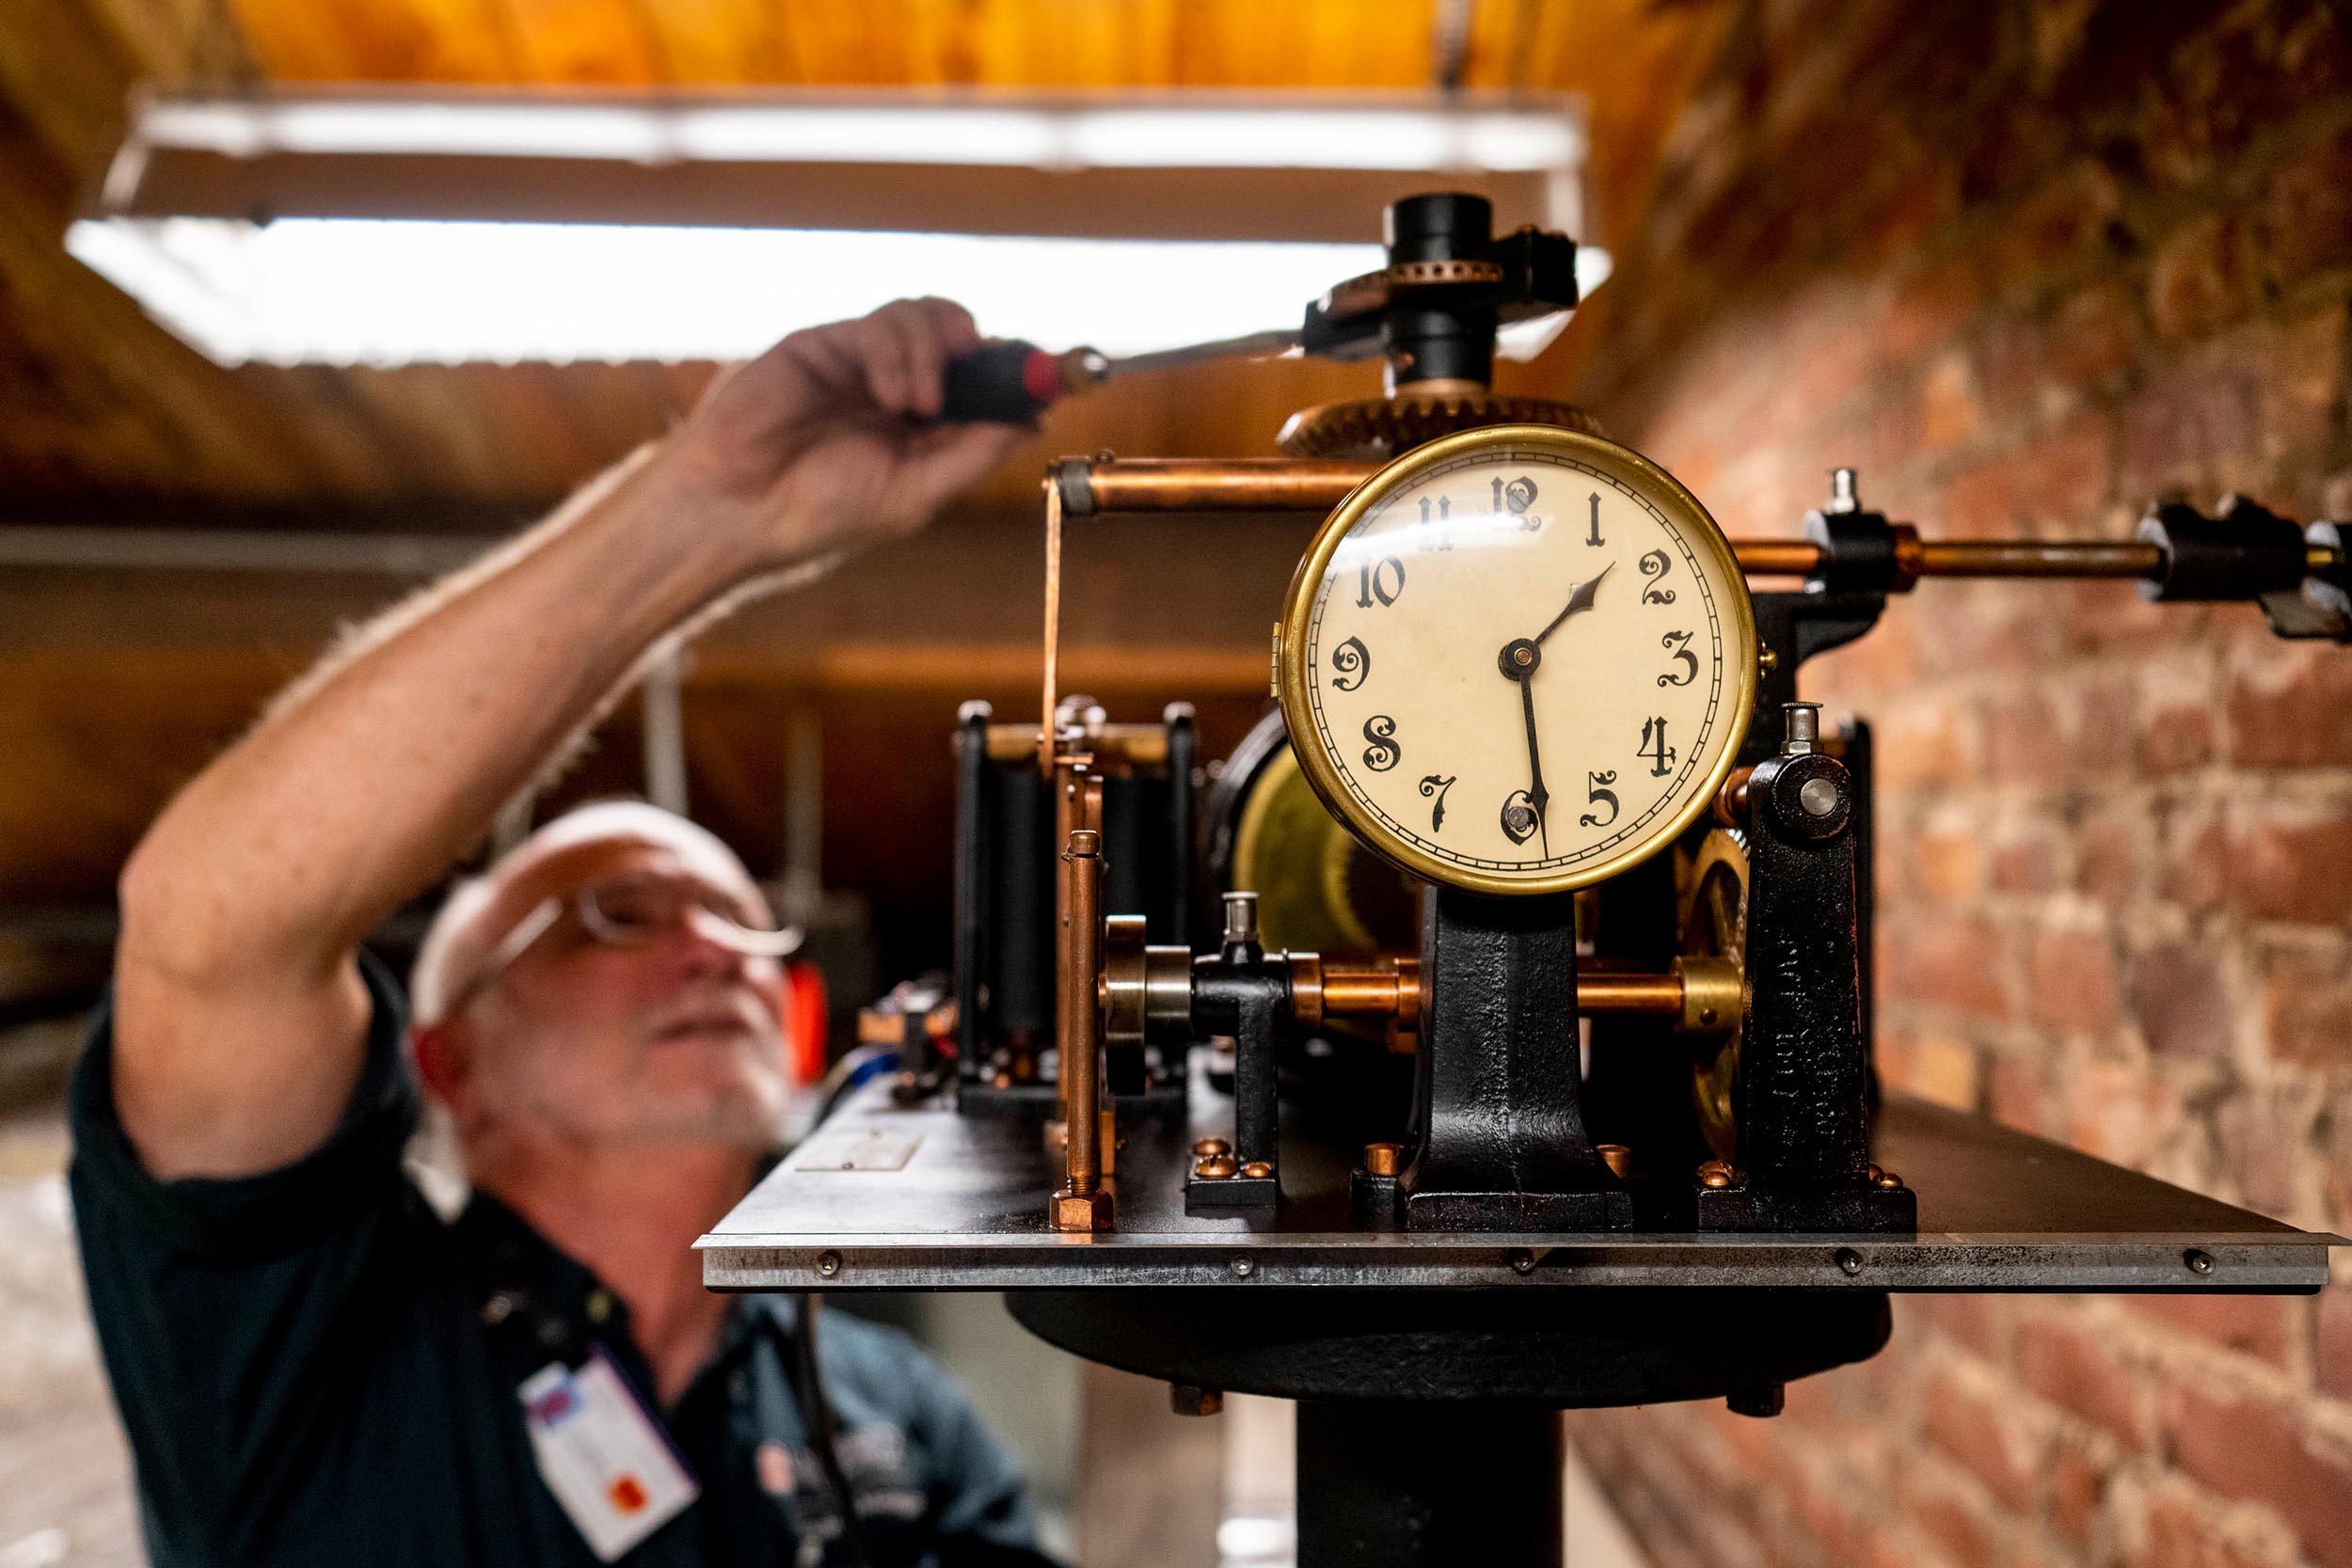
[[1013, 382]]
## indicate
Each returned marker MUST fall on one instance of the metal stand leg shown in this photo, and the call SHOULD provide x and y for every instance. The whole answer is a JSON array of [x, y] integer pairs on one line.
[[1428, 1484]]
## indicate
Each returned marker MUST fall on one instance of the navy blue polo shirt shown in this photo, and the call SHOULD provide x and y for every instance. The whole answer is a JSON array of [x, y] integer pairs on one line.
[[307, 1373]]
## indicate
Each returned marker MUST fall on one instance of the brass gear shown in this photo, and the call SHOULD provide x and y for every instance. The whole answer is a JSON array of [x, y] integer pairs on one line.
[[1712, 906], [1382, 427]]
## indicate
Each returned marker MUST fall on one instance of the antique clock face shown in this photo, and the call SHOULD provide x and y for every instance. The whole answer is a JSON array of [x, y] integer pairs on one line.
[[1517, 659]]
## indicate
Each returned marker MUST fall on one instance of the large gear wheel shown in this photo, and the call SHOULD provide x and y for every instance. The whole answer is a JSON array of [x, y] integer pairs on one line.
[[1382, 427], [1713, 910]]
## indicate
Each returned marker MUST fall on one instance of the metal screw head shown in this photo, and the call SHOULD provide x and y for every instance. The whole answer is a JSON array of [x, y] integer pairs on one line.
[[1207, 1146], [829, 1263], [1257, 1168], [1849, 1260], [1714, 1173], [1216, 1167], [2199, 1260], [1802, 732], [1242, 1268], [1241, 918], [1888, 1182], [1522, 1260], [1766, 660], [1844, 494], [1818, 796]]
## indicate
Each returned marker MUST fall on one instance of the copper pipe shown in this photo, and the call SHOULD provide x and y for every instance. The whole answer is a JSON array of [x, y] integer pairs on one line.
[[1777, 557], [1077, 805], [1625, 992], [1988, 558], [1206, 485], [1137, 484], [1080, 1023], [1392, 992]]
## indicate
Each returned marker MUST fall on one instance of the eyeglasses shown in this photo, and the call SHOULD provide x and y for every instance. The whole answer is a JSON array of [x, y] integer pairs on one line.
[[635, 910]]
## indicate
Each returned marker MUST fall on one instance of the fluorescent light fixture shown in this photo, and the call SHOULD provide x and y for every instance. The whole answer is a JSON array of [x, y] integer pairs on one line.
[[370, 229], [1237, 134]]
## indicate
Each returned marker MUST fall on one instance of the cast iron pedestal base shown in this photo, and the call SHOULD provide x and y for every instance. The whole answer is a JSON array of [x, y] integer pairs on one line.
[[1427, 1434]]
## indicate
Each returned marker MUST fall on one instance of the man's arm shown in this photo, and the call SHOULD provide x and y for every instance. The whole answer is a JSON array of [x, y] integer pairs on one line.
[[239, 1013]]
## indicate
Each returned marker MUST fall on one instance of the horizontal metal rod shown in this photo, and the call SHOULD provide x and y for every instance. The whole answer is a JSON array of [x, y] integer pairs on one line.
[[1624, 993], [1096, 486], [1990, 557]]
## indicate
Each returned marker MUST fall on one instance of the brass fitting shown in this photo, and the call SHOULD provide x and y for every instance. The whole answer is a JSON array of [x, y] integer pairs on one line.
[[1390, 991], [1381, 1159], [1713, 995], [1087, 1212]]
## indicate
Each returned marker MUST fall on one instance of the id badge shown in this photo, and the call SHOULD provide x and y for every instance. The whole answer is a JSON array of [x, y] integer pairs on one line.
[[606, 1461]]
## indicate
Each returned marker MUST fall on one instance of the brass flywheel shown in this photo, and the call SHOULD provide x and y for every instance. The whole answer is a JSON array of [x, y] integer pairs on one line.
[[1713, 909]]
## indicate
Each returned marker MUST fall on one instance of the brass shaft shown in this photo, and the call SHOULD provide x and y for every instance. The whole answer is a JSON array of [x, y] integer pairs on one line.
[[2019, 558], [1137, 484], [1213, 484], [1607, 992], [1080, 1024]]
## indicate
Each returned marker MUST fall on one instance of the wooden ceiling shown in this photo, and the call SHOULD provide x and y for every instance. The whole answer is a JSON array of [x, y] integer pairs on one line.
[[96, 401]]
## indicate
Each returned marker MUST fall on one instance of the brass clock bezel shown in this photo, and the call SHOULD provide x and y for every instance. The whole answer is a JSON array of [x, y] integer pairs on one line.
[[1663, 490]]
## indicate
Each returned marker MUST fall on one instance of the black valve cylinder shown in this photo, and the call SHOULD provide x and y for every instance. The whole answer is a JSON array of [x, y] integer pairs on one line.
[[1440, 338]]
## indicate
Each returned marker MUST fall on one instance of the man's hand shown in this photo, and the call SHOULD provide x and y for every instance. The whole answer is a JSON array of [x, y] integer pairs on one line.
[[819, 445], [240, 1018]]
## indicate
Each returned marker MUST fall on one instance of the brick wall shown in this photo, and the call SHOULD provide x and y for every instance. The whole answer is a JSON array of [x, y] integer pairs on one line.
[[2028, 265]]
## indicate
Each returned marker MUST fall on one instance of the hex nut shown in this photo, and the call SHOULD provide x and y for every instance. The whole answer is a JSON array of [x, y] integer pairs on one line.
[[1187, 1398], [1083, 1210]]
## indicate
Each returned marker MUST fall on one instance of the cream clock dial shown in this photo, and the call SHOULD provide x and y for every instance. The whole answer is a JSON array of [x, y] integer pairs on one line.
[[1518, 660]]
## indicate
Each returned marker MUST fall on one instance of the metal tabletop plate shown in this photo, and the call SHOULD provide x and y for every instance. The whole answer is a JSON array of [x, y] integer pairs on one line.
[[958, 1203]]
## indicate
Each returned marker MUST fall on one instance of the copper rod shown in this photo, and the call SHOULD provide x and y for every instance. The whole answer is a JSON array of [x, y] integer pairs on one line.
[[1628, 993], [1137, 484], [1218, 484], [1989, 558], [1777, 557], [1052, 629], [1367, 994], [1080, 1023]]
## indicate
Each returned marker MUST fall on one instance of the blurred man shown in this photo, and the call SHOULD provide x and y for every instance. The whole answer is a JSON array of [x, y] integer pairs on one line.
[[311, 1365]]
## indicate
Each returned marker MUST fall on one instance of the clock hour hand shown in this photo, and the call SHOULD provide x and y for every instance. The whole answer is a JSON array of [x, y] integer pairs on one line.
[[1581, 599], [1537, 795]]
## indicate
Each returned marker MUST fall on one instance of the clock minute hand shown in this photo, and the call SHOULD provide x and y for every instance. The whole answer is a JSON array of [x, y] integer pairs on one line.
[[1581, 599]]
